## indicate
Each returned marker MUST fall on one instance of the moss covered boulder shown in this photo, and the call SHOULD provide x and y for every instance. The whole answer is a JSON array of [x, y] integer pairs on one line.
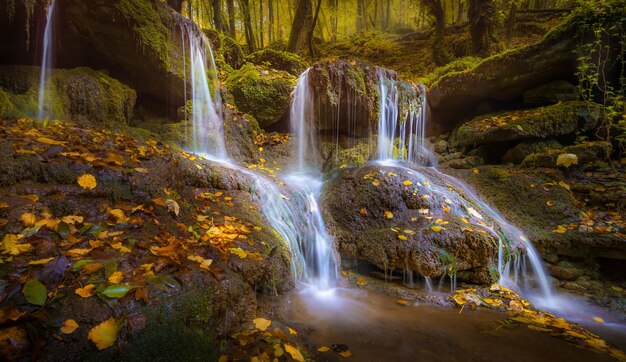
[[413, 220], [586, 153], [84, 95], [551, 121], [551, 93], [261, 92], [288, 62]]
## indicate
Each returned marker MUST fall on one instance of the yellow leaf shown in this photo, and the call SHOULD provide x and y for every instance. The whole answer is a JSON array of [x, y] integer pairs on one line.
[[347, 353], [292, 331], [407, 183], [402, 302], [118, 215], [561, 229], [376, 182], [363, 211], [69, 326], [73, 219], [10, 245], [361, 282], [239, 252], [459, 299], [86, 291], [475, 170], [28, 219], [294, 352], [323, 349], [78, 252], [40, 261], [104, 334], [402, 237], [261, 323], [87, 181], [388, 215], [49, 141], [436, 228], [116, 277], [3, 205], [598, 319], [567, 159]]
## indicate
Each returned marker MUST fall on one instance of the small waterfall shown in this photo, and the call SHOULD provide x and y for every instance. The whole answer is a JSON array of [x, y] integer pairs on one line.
[[401, 120], [302, 121], [207, 126], [46, 60]]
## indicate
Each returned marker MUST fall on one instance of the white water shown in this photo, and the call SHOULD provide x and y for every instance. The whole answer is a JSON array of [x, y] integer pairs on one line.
[[401, 120], [302, 122], [207, 126], [46, 60]]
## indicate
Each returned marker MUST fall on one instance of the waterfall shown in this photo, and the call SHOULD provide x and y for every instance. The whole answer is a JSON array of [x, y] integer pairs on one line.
[[46, 61], [207, 127], [302, 121], [401, 120]]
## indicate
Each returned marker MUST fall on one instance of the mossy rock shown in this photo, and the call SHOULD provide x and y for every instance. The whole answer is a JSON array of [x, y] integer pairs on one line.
[[84, 95], [231, 52], [263, 93], [517, 154], [288, 62], [7, 109], [586, 153], [551, 93], [551, 121]]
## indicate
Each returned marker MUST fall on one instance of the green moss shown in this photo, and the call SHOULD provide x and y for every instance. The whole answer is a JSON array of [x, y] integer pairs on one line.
[[356, 79], [231, 52], [457, 65], [262, 93], [288, 62], [148, 26], [7, 109], [357, 155]]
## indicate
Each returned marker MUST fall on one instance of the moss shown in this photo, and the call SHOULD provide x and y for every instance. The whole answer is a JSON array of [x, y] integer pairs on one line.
[[457, 65], [148, 26], [356, 79], [357, 155], [262, 93], [7, 109], [231, 52], [288, 62]]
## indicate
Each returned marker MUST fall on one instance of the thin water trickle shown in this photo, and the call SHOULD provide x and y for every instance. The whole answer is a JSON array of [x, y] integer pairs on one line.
[[46, 61]]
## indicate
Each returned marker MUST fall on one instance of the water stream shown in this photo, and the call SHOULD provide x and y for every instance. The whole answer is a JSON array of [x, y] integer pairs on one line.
[[46, 61]]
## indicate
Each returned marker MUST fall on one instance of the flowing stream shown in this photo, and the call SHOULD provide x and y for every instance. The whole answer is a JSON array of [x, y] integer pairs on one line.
[[46, 61]]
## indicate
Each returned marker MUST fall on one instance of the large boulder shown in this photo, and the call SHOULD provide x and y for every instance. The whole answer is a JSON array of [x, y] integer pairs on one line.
[[551, 93], [586, 153], [503, 78], [84, 95], [517, 154], [546, 122], [263, 93], [288, 62], [412, 219]]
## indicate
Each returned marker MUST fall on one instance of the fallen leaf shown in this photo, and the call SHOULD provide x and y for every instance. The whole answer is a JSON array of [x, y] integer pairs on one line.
[[116, 291], [292, 331], [361, 282], [294, 352], [323, 349], [11, 246], [261, 323], [49, 141], [407, 183], [40, 261], [104, 334], [402, 237], [86, 292], [28, 219], [347, 353], [598, 319], [35, 292], [69, 326], [567, 159], [376, 182], [87, 181], [116, 277], [402, 302], [388, 215], [561, 229], [436, 228], [363, 211], [239, 252]]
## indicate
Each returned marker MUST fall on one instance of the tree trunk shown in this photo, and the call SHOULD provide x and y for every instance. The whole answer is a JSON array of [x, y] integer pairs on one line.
[[247, 22], [302, 23], [481, 15], [261, 23], [361, 17], [270, 21], [435, 7], [231, 18], [334, 12], [218, 21], [176, 5], [310, 35], [459, 16]]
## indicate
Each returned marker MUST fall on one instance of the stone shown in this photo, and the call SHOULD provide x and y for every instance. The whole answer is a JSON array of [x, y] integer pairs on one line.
[[279, 60], [517, 154], [551, 93], [546, 122], [587, 152]]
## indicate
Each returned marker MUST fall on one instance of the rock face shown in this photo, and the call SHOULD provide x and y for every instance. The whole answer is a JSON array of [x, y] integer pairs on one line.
[[80, 94], [398, 218], [551, 121], [551, 93], [261, 92], [518, 153]]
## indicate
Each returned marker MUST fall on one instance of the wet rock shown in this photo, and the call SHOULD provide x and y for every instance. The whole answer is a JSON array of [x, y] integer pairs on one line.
[[551, 121], [288, 62], [551, 93], [378, 219], [588, 152], [263, 93], [86, 96], [518, 153], [565, 270]]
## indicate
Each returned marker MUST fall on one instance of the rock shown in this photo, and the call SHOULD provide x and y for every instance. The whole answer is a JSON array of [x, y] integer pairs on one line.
[[587, 152], [231, 51], [89, 97], [551, 93], [565, 270], [378, 219], [288, 62], [7, 109], [506, 76], [464, 162], [261, 92], [441, 147], [517, 154], [551, 121]]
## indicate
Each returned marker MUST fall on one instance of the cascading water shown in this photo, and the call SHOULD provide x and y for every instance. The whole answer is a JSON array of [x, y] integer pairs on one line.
[[207, 127], [46, 59], [401, 120]]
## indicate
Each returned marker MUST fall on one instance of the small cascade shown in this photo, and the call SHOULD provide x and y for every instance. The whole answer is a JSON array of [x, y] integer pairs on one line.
[[207, 127], [302, 122], [46, 60], [401, 120]]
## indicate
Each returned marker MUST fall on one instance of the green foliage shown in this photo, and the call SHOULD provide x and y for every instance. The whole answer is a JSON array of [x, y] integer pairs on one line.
[[601, 29], [449, 262], [35, 292], [7, 109], [373, 46], [494, 274], [147, 25]]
